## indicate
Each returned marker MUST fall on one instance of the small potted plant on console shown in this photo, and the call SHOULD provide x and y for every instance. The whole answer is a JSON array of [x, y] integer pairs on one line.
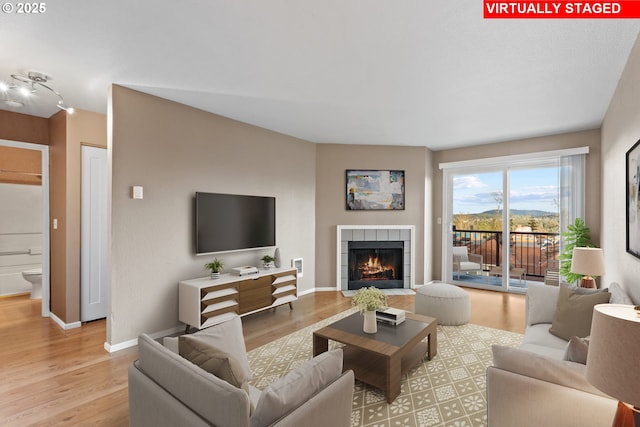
[[215, 267], [368, 300], [267, 261]]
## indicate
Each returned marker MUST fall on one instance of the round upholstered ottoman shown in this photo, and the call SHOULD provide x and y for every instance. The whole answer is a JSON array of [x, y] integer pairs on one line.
[[447, 303]]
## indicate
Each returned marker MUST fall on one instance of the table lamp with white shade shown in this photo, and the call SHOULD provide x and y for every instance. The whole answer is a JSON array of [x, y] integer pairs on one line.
[[613, 359], [588, 262]]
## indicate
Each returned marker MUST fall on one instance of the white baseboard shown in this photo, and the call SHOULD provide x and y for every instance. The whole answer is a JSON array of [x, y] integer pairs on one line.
[[63, 325], [324, 289], [111, 348], [120, 346]]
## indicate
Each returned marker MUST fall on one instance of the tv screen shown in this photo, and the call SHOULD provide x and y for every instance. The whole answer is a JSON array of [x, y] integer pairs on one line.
[[229, 222]]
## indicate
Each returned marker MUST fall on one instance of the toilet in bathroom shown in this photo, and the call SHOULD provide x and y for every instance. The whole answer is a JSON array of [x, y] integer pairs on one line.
[[35, 278]]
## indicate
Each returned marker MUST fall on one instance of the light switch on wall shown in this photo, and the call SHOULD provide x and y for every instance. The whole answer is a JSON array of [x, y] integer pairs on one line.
[[55, 223], [137, 192]]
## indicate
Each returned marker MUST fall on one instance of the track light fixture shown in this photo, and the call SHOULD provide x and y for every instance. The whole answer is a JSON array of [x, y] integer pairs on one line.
[[22, 87]]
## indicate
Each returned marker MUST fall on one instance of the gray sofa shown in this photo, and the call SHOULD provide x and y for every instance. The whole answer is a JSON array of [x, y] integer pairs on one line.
[[535, 385], [165, 389]]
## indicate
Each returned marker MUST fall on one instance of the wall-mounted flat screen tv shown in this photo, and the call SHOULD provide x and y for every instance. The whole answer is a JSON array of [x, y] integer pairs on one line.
[[229, 222]]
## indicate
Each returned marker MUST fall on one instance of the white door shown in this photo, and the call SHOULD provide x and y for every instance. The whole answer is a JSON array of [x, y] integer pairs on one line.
[[93, 284]]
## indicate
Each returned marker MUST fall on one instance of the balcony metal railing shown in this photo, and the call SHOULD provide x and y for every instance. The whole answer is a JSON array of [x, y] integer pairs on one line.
[[529, 250]]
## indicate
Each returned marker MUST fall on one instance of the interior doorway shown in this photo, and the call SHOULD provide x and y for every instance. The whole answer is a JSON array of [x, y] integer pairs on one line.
[[45, 255]]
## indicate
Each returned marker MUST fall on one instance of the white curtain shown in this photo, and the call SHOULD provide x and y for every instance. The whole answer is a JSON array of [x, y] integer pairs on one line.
[[572, 175]]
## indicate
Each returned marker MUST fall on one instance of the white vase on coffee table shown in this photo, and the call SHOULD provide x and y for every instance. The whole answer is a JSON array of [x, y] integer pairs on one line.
[[370, 323]]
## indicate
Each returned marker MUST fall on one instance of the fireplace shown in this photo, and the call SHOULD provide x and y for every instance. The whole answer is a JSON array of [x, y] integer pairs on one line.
[[375, 235], [375, 263]]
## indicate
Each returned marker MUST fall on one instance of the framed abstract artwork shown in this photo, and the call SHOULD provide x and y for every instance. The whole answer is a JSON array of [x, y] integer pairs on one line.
[[375, 189], [632, 185]]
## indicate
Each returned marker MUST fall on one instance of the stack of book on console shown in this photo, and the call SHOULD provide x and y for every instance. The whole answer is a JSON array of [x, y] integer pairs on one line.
[[244, 270], [390, 316]]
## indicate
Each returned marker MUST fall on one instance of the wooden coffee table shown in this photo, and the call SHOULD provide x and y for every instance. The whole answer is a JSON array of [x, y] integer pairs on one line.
[[381, 359]]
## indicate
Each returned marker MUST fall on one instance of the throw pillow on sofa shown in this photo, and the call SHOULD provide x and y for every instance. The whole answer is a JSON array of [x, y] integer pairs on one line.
[[619, 295], [574, 310], [228, 337], [539, 310], [201, 353], [577, 350], [288, 392]]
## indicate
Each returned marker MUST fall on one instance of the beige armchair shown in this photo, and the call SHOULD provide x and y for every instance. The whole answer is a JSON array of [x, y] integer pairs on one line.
[[167, 390], [464, 262]]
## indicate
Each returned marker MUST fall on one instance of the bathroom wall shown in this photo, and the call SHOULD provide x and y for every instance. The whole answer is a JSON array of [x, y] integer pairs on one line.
[[21, 232]]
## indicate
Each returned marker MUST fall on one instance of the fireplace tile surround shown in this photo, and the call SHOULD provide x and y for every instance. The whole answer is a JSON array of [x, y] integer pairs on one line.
[[347, 233]]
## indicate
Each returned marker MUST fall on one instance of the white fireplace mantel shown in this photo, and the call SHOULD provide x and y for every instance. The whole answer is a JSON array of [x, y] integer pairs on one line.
[[347, 233]]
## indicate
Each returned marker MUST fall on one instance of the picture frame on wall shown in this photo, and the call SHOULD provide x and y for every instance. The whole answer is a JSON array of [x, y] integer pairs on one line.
[[632, 184], [375, 189]]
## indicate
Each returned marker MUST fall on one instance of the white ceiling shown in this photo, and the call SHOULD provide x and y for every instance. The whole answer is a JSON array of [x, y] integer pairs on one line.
[[416, 72]]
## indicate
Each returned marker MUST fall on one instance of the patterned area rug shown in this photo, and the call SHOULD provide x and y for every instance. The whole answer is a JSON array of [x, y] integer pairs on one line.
[[446, 391]]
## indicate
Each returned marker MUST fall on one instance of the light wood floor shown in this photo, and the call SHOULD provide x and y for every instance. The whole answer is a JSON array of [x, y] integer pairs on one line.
[[52, 377]]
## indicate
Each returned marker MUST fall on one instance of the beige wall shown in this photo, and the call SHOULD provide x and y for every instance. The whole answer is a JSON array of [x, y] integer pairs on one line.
[[549, 143], [173, 151], [67, 134], [58, 210], [23, 128], [620, 131], [332, 162]]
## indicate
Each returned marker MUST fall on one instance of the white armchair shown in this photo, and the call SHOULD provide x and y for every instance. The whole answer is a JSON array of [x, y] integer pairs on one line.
[[203, 381], [464, 262]]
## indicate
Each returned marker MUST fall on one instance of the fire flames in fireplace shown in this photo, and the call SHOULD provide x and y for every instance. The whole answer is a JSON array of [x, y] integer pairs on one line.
[[374, 270], [375, 263]]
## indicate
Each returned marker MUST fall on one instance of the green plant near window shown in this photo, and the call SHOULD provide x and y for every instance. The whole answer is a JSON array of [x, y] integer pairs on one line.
[[576, 236]]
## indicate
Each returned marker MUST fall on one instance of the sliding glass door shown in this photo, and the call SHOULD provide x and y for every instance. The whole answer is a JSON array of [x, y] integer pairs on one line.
[[504, 243], [534, 223], [476, 226]]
